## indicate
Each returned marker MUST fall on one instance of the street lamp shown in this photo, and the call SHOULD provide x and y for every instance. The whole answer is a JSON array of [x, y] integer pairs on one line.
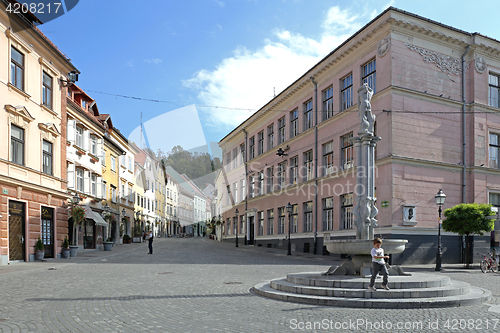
[[76, 199], [289, 210], [440, 197], [236, 212], [106, 210]]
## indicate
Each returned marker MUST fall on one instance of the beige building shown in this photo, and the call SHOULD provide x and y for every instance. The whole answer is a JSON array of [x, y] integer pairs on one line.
[[32, 140]]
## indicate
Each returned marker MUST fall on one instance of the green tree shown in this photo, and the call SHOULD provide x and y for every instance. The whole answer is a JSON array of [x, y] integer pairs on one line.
[[467, 220]]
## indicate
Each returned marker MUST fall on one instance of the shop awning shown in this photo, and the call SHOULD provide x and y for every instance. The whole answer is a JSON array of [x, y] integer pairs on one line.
[[99, 220], [90, 214]]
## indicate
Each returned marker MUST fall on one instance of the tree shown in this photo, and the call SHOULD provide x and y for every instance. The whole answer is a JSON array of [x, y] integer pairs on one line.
[[467, 220]]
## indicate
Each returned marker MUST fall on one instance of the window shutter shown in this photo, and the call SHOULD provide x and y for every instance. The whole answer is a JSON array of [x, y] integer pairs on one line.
[[86, 182], [99, 187], [86, 140], [99, 147], [71, 130], [71, 176]]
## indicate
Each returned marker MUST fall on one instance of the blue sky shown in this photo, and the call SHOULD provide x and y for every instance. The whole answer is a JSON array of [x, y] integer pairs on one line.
[[233, 54]]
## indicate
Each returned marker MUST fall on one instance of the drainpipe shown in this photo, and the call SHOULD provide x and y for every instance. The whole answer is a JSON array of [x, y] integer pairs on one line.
[[246, 187], [464, 137], [315, 165]]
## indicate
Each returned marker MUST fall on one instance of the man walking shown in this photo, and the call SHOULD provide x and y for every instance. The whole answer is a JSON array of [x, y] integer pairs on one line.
[[151, 243]]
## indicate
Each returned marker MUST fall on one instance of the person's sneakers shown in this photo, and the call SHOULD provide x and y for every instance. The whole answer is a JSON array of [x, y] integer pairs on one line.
[[386, 287], [372, 288]]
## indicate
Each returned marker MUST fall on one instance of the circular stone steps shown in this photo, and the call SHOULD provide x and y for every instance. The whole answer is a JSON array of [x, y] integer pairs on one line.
[[421, 290]]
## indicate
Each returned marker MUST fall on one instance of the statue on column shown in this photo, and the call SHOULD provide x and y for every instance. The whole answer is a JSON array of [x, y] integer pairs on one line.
[[367, 119]]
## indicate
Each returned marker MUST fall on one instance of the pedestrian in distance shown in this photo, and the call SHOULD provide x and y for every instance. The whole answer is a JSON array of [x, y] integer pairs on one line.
[[150, 243], [378, 265]]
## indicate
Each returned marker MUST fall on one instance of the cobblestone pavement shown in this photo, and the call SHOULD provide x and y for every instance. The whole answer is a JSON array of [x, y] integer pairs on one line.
[[201, 285]]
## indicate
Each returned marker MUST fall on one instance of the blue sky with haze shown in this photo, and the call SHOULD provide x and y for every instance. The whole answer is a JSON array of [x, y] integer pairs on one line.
[[225, 53]]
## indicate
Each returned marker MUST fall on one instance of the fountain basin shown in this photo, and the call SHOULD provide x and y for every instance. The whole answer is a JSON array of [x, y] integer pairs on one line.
[[361, 246]]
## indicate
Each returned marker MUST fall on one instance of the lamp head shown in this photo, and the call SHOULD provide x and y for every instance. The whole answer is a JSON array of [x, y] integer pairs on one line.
[[440, 198], [289, 208]]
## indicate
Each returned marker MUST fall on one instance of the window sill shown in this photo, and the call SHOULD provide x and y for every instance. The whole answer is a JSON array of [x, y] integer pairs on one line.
[[22, 92], [49, 110]]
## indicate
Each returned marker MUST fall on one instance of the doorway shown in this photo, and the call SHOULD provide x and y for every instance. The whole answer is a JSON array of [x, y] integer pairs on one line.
[[16, 230], [88, 236], [251, 231], [48, 231]]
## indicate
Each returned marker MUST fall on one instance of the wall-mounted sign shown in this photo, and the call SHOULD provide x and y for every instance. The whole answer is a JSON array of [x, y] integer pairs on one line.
[[384, 204], [409, 215], [5, 191]]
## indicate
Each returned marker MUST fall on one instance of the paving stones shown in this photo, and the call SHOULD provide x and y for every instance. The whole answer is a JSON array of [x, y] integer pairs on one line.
[[130, 292]]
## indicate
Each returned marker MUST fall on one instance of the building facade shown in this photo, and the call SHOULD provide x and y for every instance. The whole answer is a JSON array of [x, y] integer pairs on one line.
[[33, 147], [436, 103]]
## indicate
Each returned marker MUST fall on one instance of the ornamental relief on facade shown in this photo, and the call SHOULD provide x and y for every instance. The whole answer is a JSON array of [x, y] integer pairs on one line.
[[480, 64], [383, 46], [447, 64]]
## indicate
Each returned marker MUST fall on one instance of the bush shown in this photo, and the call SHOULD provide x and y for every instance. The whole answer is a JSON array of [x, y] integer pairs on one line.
[[65, 244], [126, 237], [39, 244]]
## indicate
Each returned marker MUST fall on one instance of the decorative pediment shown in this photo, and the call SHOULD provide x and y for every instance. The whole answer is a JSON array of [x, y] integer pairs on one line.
[[19, 111], [49, 127]]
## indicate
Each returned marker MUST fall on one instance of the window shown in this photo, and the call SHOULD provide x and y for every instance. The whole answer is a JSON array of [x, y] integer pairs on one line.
[[242, 224], [16, 68], [261, 143], [294, 216], [235, 189], [16, 145], [270, 221], [47, 157], [270, 137], [252, 147], [228, 161], [494, 199], [308, 163], [113, 164], [130, 163], [261, 182], [281, 222], [294, 123], [494, 151], [242, 152], [328, 213], [235, 224], [494, 90], [308, 216], [243, 188], [281, 175], [346, 201], [93, 184], [79, 180], [261, 223], [346, 92], [252, 187], [93, 145], [281, 125], [294, 163], [369, 75], [270, 179], [328, 103], [347, 151], [47, 90], [79, 136], [235, 160], [308, 115], [328, 158]]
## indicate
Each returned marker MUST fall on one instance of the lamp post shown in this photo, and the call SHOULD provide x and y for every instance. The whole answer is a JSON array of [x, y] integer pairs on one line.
[[124, 212], [289, 210], [440, 197], [236, 212], [106, 210]]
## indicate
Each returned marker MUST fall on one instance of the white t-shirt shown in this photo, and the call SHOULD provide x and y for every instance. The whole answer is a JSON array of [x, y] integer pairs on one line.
[[378, 253]]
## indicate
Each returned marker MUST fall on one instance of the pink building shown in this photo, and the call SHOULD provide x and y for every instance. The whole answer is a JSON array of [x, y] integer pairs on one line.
[[437, 105]]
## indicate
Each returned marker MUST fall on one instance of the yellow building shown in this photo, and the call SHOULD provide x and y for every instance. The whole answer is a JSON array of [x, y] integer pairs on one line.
[[111, 179]]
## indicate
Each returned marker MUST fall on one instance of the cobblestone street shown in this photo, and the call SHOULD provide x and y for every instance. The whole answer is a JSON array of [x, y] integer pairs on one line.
[[200, 285]]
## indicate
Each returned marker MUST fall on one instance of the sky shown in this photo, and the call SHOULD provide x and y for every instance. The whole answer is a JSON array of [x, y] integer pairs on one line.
[[197, 69]]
